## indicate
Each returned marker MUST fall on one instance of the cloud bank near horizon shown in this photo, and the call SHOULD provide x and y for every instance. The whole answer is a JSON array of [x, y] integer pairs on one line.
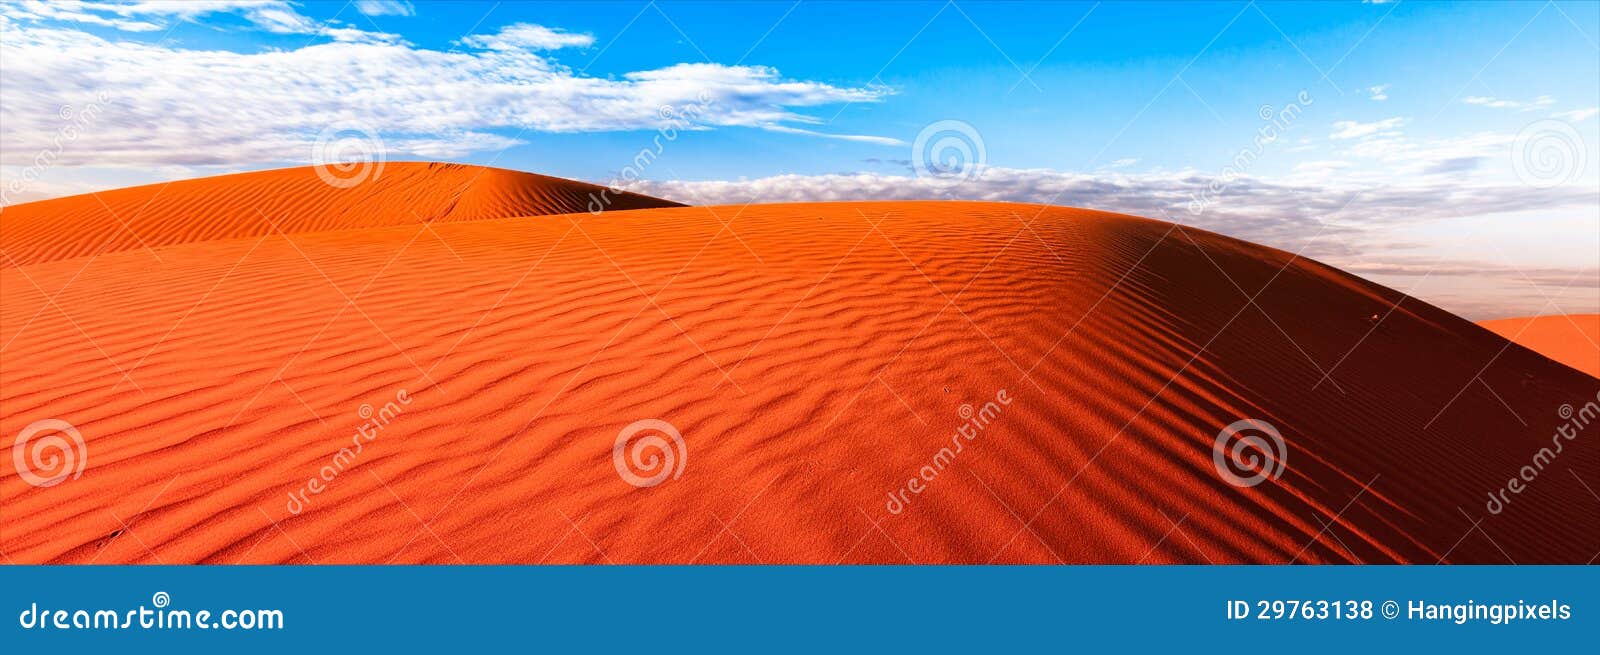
[[1349, 226], [1283, 212]]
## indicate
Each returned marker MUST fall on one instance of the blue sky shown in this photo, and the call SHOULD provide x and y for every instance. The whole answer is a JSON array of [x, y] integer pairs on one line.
[[1400, 161]]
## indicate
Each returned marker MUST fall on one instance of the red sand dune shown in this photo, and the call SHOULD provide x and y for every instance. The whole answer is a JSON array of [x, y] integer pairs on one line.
[[814, 357], [1570, 339], [290, 200]]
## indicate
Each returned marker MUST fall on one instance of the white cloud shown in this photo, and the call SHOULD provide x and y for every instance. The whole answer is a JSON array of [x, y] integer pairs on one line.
[[1353, 129], [1497, 103], [858, 138], [1383, 142], [1404, 156], [1303, 145], [1379, 92], [1320, 167], [1578, 115], [385, 7], [150, 15], [164, 104], [353, 35], [527, 36]]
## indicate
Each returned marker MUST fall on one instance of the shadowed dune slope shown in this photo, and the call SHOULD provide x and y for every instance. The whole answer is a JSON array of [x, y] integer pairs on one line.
[[289, 200], [816, 358], [1569, 338]]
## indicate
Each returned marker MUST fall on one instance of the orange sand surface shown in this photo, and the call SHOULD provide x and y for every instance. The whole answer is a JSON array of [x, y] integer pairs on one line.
[[814, 357], [289, 200], [1570, 339]]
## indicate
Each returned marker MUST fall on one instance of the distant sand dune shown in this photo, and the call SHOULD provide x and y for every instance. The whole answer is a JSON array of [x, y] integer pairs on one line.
[[1569, 339], [291, 200], [814, 357]]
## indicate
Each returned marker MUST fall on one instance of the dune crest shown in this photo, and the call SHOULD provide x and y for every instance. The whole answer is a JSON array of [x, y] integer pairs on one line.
[[839, 382], [1570, 339], [292, 201]]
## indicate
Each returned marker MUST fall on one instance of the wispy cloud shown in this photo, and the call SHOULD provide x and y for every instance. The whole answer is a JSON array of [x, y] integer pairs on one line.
[[1379, 92], [858, 138], [1498, 103], [1453, 165], [1400, 154], [1354, 130], [1578, 115], [1384, 143], [385, 7]]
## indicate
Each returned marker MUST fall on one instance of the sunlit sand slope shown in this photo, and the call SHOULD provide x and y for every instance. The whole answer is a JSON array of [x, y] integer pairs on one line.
[[290, 200], [1569, 339], [815, 358]]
